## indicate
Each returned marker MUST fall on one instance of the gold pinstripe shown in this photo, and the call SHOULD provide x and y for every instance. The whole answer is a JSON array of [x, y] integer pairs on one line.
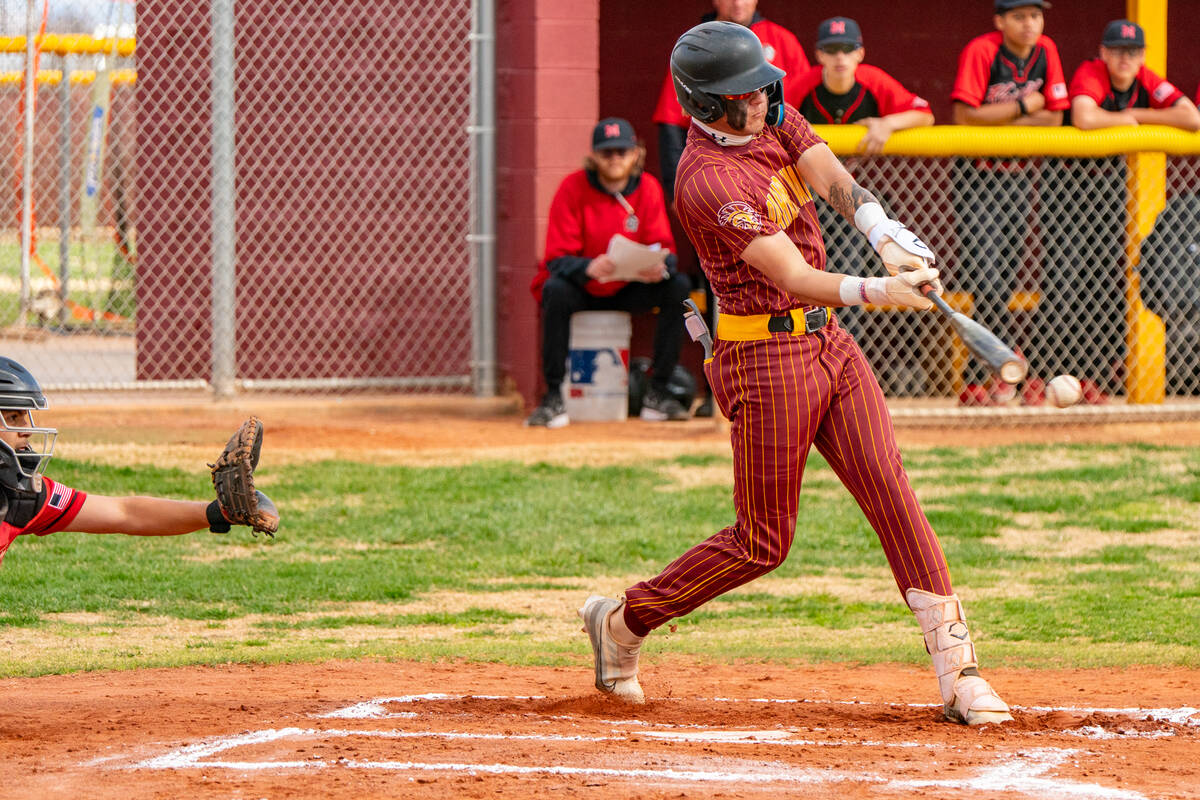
[[783, 393]]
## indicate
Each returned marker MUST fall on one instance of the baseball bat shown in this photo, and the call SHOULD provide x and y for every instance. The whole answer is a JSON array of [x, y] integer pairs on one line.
[[985, 345]]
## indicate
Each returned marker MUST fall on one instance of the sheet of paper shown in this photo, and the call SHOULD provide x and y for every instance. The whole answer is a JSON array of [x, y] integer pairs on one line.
[[632, 257]]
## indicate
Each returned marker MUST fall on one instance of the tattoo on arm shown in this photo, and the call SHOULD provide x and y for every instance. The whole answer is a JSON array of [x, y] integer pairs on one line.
[[847, 199]]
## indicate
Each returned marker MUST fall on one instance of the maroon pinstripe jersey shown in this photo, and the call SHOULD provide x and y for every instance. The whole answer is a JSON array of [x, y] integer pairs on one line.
[[728, 196]]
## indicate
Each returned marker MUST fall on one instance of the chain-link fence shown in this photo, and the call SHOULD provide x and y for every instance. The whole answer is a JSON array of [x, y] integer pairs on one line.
[[1046, 253], [351, 197]]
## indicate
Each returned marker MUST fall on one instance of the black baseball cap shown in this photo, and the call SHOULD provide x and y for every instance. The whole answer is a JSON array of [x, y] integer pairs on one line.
[[613, 133], [1123, 33], [839, 30], [1009, 5]]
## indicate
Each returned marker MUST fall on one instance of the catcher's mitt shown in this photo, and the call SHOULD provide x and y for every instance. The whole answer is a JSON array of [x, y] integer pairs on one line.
[[233, 478]]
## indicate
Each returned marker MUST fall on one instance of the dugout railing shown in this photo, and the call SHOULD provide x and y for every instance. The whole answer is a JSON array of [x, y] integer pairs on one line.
[[1082, 248]]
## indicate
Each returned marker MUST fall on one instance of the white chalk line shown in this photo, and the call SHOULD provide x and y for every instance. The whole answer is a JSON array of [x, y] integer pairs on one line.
[[1022, 772]]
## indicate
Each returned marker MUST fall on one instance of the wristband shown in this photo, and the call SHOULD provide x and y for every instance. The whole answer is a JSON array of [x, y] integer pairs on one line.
[[216, 520], [852, 291], [1021, 106]]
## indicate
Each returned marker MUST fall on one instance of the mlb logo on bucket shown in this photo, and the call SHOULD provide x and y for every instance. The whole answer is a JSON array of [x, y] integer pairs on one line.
[[599, 371]]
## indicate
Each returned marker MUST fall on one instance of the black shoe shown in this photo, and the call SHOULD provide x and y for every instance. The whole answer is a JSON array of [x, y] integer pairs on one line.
[[658, 406], [705, 409], [550, 413]]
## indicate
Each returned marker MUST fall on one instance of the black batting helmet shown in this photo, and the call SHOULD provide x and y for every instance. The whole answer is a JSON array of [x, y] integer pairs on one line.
[[19, 391], [723, 58]]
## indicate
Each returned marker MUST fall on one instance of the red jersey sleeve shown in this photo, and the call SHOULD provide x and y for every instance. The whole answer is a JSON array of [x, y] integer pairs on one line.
[[1055, 90], [1163, 93], [668, 111], [564, 228], [783, 49], [796, 134], [1090, 80], [803, 86], [59, 510], [974, 66], [652, 211], [891, 95]]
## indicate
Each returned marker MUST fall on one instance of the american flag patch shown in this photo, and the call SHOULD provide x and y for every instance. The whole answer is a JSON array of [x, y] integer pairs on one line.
[[60, 497], [1058, 91], [1164, 90]]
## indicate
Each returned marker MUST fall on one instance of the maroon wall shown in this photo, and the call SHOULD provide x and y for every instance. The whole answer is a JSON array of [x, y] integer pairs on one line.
[[547, 88]]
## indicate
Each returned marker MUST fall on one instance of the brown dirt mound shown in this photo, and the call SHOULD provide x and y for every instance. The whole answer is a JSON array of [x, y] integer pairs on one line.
[[354, 730]]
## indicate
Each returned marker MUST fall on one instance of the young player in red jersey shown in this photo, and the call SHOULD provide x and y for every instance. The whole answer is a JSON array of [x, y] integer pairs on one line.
[[35, 504], [783, 371], [843, 90], [610, 195], [1081, 318], [1010, 76], [1118, 89]]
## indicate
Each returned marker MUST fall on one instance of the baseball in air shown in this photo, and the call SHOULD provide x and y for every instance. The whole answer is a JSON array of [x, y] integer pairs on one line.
[[1064, 390]]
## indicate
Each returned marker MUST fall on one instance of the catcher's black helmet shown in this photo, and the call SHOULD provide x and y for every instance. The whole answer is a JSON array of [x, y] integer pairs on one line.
[[723, 58], [19, 391]]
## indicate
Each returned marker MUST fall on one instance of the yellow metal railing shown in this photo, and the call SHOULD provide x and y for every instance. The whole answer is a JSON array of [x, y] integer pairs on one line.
[[71, 44], [1146, 149]]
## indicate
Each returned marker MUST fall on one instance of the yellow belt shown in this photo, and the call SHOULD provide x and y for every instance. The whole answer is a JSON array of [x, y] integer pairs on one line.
[[755, 327]]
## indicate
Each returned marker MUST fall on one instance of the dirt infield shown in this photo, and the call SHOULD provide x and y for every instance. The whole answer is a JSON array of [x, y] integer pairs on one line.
[[361, 730], [369, 729]]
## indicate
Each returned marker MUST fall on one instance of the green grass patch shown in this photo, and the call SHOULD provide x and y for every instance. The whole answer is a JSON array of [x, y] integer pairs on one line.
[[1093, 545]]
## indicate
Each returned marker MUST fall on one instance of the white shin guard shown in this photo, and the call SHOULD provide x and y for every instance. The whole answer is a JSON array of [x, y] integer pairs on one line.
[[967, 697]]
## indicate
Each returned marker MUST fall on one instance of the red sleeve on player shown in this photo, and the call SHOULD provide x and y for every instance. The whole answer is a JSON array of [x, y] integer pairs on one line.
[[803, 86], [974, 66], [564, 228], [651, 208], [668, 111], [1163, 93], [795, 134], [784, 51], [59, 510], [1090, 80], [891, 96], [1055, 90]]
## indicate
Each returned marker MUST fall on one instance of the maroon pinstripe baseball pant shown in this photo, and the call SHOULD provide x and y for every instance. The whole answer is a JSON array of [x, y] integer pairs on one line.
[[782, 395]]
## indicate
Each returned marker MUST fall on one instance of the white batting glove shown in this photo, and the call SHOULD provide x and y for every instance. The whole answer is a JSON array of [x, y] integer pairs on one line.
[[900, 248], [902, 289]]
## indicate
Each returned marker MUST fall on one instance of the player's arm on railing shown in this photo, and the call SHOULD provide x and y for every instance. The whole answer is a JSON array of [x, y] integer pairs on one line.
[[1009, 113], [1181, 115], [1087, 115]]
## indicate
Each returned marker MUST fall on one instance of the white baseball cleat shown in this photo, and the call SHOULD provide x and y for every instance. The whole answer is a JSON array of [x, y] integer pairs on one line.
[[968, 698], [616, 662]]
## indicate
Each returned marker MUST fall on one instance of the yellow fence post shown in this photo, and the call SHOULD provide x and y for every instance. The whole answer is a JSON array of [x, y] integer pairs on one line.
[[1146, 361]]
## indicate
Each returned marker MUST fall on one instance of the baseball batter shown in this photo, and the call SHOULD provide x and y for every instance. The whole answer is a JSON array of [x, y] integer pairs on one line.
[[35, 504], [783, 371]]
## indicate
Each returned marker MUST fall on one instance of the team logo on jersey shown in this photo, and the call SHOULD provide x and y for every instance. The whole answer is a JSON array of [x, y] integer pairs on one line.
[[740, 215], [1164, 90], [769, 52]]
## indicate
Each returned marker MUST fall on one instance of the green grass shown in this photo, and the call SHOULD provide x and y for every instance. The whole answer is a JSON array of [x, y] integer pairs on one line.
[[1064, 555]]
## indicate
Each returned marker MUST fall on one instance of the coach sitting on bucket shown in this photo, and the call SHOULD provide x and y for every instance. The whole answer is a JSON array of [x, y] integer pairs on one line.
[[610, 195]]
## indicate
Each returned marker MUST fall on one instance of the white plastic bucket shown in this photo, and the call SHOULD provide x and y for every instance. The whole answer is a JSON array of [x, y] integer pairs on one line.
[[596, 388]]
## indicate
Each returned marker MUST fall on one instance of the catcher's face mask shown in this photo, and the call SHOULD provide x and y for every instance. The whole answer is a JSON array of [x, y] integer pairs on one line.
[[32, 446]]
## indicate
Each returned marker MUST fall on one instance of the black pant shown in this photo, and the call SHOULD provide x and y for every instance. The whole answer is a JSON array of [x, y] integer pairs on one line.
[[562, 298]]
